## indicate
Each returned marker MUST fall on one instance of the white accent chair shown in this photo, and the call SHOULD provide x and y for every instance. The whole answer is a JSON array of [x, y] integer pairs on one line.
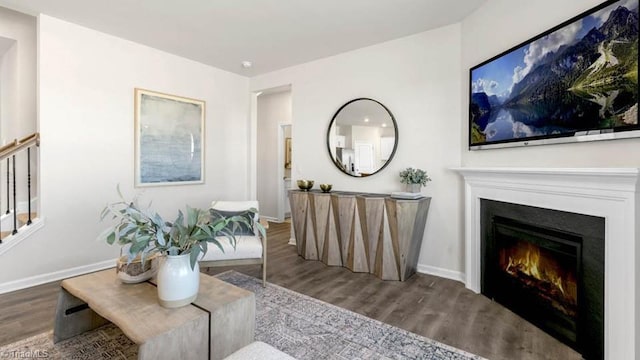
[[250, 249]]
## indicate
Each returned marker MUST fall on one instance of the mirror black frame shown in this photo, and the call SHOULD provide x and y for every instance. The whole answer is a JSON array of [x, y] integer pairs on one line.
[[395, 145]]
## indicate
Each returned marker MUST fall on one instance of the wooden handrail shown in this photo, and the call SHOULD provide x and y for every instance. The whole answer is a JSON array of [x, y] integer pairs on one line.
[[16, 145]]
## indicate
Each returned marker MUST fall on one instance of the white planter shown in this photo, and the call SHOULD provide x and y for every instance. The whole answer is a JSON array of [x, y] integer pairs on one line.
[[413, 188], [177, 283]]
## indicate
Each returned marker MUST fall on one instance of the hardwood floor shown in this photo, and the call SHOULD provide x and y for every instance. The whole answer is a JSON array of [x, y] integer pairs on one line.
[[27, 312], [440, 309]]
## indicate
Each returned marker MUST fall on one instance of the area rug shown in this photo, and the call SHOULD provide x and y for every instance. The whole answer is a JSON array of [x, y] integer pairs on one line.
[[301, 326]]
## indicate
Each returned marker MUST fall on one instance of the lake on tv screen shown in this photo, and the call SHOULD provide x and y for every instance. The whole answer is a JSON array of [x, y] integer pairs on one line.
[[581, 77]]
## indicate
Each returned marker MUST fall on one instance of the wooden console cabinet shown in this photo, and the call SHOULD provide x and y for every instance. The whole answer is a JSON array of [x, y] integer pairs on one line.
[[363, 232]]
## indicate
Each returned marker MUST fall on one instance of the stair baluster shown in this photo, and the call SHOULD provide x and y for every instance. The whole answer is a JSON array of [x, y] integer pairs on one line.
[[8, 197], [15, 211], [29, 184], [9, 152]]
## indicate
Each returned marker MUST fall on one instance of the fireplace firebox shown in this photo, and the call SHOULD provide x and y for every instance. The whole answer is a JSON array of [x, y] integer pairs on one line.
[[548, 267], [534, 272]]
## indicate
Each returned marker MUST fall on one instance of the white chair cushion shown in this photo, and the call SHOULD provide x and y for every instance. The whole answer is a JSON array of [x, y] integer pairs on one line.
[[247, 247], [258, 350], [234, 205]]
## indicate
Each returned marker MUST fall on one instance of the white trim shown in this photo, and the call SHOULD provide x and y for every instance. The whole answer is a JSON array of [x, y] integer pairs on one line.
[[23, 232], [292, 236], [441, 272], [610, 193], [252, 152], [55, 276], [270, 219], [6, 220], [23, 207], [280, 173]]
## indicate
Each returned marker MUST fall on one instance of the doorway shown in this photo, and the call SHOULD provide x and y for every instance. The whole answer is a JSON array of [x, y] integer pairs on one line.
[[273, 160]]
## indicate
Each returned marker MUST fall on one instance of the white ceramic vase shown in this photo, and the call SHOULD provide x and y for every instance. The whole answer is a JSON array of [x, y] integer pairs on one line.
[[413, 188], [177, 283]]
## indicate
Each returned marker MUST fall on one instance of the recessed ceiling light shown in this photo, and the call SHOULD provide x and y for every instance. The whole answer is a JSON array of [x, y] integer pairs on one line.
[[246, 64], [366, 119], [384, 125]]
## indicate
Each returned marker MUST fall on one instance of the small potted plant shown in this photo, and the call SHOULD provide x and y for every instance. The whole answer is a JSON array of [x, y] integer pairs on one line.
[[414, 179], [144, 233]]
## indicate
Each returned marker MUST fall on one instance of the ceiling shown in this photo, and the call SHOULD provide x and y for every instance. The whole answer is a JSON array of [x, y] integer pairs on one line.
[[272, 34]]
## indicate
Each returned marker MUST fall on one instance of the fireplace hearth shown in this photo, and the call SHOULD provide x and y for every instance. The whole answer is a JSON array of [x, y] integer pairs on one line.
[[606, 193], [548, 267]]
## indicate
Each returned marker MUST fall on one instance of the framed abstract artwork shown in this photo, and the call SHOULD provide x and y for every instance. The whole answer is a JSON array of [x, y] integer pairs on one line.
[[575, 82], [169, 139]]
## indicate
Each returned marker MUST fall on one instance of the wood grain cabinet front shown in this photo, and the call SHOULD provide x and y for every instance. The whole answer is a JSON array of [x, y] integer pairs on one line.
[[363, 232]]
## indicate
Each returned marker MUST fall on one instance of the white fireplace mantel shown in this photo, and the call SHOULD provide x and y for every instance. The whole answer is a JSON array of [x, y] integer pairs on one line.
[[611, 193]]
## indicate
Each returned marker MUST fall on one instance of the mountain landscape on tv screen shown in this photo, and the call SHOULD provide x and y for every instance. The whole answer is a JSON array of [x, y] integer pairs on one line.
[[582, 77]]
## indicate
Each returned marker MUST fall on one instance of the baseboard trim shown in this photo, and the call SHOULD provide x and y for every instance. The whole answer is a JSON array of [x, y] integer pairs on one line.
[[441, 272], [292, 241], [55, 276]]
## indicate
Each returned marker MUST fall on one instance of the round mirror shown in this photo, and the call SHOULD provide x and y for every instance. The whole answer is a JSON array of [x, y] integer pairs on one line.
[[362, 137]]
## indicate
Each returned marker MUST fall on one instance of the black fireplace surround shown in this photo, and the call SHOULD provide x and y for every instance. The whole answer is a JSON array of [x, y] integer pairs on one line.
[[563, 293]]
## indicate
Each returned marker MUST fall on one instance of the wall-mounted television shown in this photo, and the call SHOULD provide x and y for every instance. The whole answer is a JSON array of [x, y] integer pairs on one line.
[[575, 82]]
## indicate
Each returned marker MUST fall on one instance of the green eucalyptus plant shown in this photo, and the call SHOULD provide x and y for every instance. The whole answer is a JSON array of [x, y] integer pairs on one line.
[[414, 176], [147, 233]]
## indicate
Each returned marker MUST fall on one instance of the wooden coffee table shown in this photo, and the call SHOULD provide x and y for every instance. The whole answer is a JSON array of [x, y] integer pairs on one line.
[[220, 321]]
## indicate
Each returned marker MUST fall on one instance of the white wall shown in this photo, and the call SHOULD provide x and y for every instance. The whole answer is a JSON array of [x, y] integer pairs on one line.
[[499, 25], [18, 95], [418, 79], [273, 109], [86, 86], [18, 117], [8, 94]]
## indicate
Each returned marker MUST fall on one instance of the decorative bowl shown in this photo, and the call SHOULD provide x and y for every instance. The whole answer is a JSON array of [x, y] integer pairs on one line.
[[135, 271], [305, 185], [325, 187]]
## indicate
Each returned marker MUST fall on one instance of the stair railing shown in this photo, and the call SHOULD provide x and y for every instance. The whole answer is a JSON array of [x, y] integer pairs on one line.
[[9, 152]]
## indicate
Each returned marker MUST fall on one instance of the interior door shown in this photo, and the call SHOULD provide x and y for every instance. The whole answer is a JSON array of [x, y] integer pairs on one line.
[[364, 157]]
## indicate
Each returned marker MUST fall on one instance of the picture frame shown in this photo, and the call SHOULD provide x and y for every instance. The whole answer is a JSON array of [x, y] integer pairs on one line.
[[573, 83], [287, 153], [169, 139]]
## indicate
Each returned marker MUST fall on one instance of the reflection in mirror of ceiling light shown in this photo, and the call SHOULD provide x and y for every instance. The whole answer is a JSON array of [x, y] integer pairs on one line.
[[366, 119], [384, 125]]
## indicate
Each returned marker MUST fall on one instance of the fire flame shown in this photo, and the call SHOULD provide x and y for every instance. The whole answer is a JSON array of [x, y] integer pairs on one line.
[[529, 264]]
